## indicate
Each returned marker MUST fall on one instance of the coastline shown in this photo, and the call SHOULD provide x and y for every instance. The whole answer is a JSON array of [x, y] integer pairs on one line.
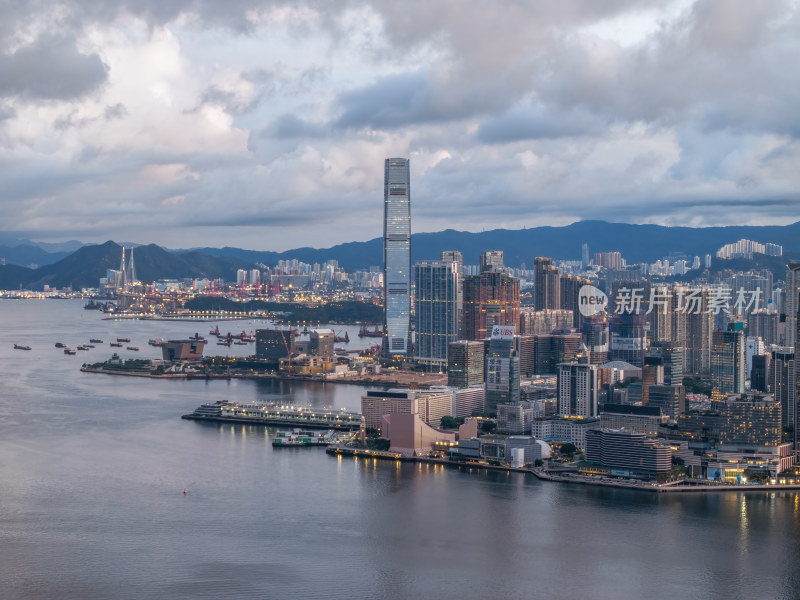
[[542, 475]]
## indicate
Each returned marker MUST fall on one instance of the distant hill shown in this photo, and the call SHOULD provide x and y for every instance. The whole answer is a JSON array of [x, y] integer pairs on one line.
[[85, 266], [25, 255], [638, 243]]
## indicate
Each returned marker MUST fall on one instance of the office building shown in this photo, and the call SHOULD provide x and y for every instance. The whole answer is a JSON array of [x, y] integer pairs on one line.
[[764, 324], [436, 311], [629, 337], [515, 418], [502, 369], [669, 399], [783, 383], [492, 261], [728, 362], [550, 350], [596, 336], [570, 287], [760, 373], [670, 357], [274, 344], [490, 298], [465, 364], [454, 256], [577, 389], [397, 258], [792, 303]]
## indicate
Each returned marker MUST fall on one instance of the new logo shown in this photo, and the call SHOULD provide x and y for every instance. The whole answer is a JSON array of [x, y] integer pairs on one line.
[[591, 300]]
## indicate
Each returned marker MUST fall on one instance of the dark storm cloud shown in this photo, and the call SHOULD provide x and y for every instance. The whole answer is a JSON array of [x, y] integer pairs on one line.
[[52, 68]]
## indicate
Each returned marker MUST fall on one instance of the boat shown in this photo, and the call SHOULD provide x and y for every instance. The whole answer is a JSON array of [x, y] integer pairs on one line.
[[366, 332], [134, 348], [342, 338], [68, 350], [214, 331], [277, 415], [18, 347], [123, 339], [59, 344], [197, 337], [89, 345], [83, 347], [115, 344], [240, 343], [95, 341], [157, 342]]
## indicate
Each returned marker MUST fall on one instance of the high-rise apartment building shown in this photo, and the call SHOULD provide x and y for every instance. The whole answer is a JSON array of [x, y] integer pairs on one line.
[[436, 310], [546, 284], [570, 287], [728, 362], [397, 258], [454, 256]]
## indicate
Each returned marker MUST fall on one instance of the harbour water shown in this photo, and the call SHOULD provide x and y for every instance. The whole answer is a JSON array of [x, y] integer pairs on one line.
[[93, 468]]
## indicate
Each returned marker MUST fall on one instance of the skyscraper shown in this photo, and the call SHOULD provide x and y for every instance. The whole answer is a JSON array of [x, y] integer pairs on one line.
[[546, 284], [502, 369], [727, 362], [783, 383], [490, 298], [397, 258], [436, 310], [792, 304], [577, 389]]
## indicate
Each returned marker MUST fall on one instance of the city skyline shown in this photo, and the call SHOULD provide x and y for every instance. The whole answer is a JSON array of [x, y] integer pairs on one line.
[[263, 121]]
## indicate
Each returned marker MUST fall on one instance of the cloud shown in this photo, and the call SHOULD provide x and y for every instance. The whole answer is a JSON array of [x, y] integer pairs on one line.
[[267, 122], [51, 68]]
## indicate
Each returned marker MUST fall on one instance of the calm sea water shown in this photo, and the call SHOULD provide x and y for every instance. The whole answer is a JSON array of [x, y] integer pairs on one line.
[[93, 468]]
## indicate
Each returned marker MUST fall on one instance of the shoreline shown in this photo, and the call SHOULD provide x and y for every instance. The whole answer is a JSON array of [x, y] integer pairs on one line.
[[541, 475]]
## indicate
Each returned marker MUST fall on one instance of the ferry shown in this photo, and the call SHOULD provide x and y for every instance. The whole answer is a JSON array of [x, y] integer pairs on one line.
[[278, 415], [298, 438], [18, 347]]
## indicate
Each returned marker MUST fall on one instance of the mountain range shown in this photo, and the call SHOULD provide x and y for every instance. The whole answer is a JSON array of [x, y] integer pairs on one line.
[[637, 243]]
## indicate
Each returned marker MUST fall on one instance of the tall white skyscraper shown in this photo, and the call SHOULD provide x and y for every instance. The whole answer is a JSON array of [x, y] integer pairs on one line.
[[397, 258]]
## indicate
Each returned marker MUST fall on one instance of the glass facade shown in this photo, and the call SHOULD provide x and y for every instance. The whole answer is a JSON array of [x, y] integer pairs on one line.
[[397, 257], [436, 310]]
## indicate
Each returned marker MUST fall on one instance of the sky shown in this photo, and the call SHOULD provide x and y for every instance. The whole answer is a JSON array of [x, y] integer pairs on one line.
[[264, 125]]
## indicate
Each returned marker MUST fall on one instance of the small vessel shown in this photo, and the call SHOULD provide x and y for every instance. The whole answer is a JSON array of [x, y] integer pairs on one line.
[[89, 345], [95, 341], [68, 350], [116, 344], [83, 347], [197, 337], [366, 332], [297, 438], [157, 342], [60, 345], [123, 339], [214, 331], [134, 348], [18, 347]]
